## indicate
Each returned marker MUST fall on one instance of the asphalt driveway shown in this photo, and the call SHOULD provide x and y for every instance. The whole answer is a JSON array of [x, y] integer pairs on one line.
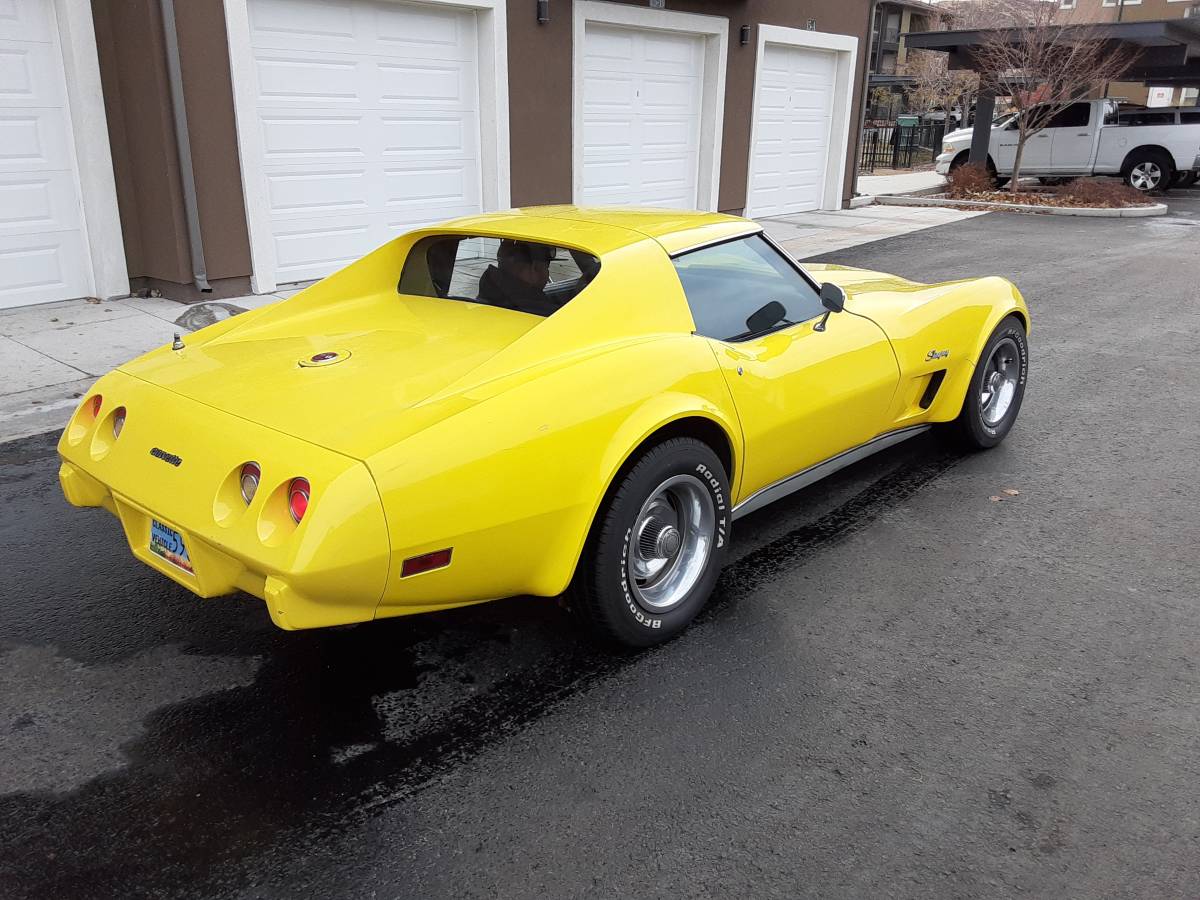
[[905, 688]]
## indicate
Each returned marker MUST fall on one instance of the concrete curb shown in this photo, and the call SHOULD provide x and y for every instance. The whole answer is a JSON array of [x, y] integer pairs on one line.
[[1129, 212]]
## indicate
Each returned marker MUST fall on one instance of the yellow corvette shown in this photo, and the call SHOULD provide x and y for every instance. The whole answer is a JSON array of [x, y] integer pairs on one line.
[[529, 402]]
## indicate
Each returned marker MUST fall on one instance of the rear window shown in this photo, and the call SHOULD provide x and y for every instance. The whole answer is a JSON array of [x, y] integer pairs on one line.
[[1189, 118], [1146, 117], [525, 276]]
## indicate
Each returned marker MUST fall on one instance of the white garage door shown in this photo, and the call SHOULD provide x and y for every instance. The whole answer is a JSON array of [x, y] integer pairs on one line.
[[641, 117], [369, 117], [792, 118], [43, 254]]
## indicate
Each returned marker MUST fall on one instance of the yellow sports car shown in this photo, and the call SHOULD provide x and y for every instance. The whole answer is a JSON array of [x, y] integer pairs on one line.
[[529, 402]]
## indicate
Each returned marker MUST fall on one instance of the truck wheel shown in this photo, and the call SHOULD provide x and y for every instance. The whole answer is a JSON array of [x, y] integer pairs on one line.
[[996, 390], [1186, 179], [1148, 171], [656, 547]]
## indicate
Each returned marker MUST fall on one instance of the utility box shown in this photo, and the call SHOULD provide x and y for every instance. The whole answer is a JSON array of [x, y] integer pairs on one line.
[[908, 121]]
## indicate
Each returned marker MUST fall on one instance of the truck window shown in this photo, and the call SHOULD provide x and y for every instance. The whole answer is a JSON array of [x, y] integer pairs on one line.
[[1189, 118], [1147, 117], [1074, 116]]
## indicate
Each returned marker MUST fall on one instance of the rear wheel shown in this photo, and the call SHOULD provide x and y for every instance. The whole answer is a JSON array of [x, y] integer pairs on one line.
[[1149, 171], [657, 546], [997, 388]]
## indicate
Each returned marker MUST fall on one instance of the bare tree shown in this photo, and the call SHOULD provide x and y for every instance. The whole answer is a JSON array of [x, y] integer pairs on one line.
[[1044, 64], [935, 85]]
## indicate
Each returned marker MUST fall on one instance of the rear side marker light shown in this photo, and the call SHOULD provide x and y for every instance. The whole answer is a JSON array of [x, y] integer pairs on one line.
[[118, 422], [298, 494], [427, 562], [251, 475]]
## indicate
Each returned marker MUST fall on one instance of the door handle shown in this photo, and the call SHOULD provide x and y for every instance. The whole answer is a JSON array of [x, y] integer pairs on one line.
[[1082, 134]]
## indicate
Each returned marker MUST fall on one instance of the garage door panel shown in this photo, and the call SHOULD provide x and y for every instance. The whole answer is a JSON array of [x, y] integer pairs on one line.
[[284, 79], [305, 248], [23, 20], [417, 84], [410, 26], [38, 203], [448, 183], [303, 24], [38, 267], [304, 194], [604, 90], [292, 137], [408, 136]]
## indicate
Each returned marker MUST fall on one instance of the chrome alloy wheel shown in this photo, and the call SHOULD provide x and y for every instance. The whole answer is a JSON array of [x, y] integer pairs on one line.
[[1000, 382], [1146, 176], [671, 542]]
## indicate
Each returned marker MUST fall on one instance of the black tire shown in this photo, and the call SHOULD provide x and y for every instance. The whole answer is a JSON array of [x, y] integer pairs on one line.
[[1051, 181], [1186, 179], [959, 161], [1140, 166], [974, 428], [604, 592]]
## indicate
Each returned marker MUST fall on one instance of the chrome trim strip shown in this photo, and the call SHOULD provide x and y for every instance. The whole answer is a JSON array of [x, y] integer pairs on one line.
[[815, 473]]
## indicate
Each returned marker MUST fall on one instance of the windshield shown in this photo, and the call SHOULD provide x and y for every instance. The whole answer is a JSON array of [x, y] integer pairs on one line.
[[524, 276]]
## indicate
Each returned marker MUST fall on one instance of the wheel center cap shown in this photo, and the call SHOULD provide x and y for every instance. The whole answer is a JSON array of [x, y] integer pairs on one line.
[[669, 541]]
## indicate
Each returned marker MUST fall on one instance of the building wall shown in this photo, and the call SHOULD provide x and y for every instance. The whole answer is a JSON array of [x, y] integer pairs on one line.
[[137, 100], [138, 104], [1145, 11], [540, 89]]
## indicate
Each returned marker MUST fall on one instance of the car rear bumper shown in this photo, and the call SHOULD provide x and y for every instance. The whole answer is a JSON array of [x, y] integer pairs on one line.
[[328, 569]]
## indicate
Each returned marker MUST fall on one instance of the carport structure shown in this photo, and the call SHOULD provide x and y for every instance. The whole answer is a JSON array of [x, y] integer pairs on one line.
[[1167, 53]]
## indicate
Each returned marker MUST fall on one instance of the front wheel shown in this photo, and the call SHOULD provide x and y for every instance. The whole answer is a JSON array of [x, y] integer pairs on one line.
[[656, 547], [997, 388]]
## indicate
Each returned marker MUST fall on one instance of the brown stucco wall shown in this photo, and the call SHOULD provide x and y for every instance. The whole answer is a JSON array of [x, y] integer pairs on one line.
[[133, 73], [137, 101], [540, 89]]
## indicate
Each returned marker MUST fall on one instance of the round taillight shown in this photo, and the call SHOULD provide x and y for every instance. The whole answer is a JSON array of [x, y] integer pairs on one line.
[[118, 422], [96, 401], [298, 492], [251, 474]]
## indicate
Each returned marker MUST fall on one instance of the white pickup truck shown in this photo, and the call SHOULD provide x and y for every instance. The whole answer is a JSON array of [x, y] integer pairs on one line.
[[1092, 137]]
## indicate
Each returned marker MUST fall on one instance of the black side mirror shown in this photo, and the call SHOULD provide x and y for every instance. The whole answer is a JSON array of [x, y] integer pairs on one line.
[[833, 298], [766, 317]]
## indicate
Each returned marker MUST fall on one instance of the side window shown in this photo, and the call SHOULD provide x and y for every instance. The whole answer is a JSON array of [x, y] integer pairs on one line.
[[1074, 116], [743, 288], [1111, 112], [1189, 118]]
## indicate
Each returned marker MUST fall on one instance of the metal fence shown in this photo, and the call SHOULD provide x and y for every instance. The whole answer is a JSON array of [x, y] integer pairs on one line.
[[900, 147]]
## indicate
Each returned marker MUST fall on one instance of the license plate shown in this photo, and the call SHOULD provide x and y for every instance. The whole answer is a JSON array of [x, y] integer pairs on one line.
[[167, 543]]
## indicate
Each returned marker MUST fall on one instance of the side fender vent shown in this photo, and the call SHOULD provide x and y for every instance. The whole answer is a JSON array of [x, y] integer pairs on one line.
[[931, 389]]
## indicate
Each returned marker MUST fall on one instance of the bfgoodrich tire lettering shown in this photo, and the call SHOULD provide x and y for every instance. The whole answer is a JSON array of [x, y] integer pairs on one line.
[[997, 388], [656, 547]]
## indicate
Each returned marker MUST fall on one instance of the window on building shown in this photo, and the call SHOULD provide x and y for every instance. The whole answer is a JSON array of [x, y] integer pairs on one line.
[[728, 285], [520, 275]]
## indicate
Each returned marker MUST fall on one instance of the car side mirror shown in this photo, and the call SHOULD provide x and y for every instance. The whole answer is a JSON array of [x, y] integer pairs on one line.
[[833, 298], [766, 317]]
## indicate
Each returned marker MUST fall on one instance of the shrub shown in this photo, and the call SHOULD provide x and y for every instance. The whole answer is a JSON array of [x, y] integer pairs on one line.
[[969, 179], [1102, 192]]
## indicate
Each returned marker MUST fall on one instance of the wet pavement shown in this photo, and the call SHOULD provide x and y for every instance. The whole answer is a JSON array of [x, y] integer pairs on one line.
[[903, 687]]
